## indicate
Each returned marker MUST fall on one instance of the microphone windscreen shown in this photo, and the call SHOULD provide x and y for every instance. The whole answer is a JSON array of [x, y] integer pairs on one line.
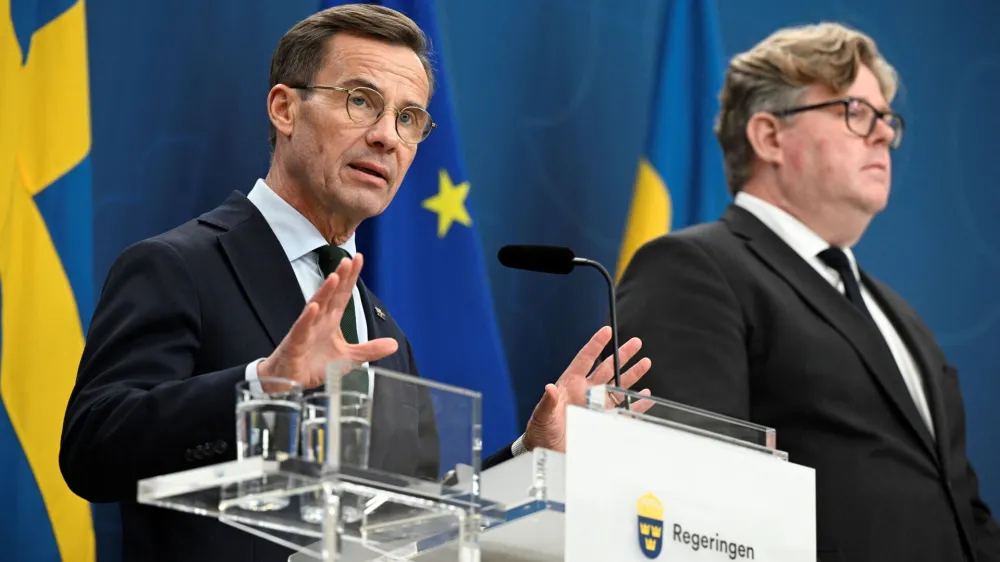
[[546, 259]]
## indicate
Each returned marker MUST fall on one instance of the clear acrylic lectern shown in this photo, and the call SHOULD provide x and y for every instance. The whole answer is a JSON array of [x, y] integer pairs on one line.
[[398, 477], [402, 481]]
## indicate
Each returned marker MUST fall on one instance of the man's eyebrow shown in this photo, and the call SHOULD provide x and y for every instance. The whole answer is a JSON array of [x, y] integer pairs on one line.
[[355, 82]]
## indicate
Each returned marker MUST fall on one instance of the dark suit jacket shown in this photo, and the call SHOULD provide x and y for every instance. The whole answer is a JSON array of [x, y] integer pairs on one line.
[[180, 317], [737, 323]]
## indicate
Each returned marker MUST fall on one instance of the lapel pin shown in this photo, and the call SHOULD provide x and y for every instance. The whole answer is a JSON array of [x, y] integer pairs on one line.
[[379, 312]]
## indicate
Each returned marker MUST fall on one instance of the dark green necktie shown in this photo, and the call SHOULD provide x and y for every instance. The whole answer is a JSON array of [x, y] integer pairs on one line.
[[329, 259]]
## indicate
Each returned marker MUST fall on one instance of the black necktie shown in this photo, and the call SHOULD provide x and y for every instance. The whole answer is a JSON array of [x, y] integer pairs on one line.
[[329, 259], [837, 259]]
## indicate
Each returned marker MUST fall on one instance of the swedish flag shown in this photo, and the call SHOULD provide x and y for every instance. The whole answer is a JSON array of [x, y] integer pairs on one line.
[[45, 271], [424, 261], [680, 179]]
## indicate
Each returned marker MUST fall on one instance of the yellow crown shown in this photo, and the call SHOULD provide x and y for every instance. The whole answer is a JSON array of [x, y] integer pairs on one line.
[[650, 507]]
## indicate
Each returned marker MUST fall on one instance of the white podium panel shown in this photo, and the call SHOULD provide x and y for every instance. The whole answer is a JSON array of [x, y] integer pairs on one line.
[[638, 491]]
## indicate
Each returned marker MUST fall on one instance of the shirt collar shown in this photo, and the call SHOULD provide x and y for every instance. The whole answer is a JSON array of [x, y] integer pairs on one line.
[[791, 230], [298, 237]]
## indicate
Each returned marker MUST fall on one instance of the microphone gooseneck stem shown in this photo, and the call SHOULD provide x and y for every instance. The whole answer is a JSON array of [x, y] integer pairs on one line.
[[614, 317]]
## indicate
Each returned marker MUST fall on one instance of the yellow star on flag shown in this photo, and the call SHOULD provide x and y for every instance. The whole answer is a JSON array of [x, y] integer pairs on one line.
[[449, 203]]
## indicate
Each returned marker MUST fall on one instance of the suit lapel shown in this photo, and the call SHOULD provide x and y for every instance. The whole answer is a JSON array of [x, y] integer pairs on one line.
[[835, 309], [387, 396], [377, 328], [259, 263], [929, 368]]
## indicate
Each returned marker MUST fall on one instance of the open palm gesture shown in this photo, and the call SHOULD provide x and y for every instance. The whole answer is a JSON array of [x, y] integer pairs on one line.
[[316, 338], [547, 426]]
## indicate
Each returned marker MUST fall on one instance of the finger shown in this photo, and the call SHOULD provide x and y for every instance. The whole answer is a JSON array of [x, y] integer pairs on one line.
[[373, 350], [643, 406], [585, 358], [327, 294], [349, 271], [606, 370], [298, 335], [326, 297], [322, 295], [616, 399], [636, 372], [629, 378]]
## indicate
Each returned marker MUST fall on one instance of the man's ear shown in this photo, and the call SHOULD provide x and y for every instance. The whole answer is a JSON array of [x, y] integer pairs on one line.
[[281, 108], [764, 132]]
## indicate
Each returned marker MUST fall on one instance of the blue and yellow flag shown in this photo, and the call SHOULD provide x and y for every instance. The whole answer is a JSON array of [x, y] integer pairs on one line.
[[423, 259], [681, 179], [45, 271]]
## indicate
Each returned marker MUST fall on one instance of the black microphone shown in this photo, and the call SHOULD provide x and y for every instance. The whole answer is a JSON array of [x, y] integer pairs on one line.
[[556, 259], [546, 259]]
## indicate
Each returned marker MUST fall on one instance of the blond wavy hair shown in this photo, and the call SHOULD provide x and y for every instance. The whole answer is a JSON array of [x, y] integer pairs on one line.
[[775, 73]]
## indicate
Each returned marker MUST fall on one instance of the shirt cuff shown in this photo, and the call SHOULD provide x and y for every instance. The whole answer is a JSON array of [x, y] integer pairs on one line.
[[518, 447], [251, 375]]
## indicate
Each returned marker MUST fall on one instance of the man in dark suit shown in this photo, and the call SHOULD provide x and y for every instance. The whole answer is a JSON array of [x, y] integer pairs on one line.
[[764, 315], [266, 287]]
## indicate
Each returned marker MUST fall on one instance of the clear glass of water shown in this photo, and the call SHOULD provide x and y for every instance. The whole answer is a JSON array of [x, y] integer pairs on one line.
[[314, 438], [268, 412], [355, 436], [355, 429]]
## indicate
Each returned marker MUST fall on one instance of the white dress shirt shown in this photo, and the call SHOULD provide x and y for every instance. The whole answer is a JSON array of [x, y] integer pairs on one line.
[[808, 244], [298, 238]]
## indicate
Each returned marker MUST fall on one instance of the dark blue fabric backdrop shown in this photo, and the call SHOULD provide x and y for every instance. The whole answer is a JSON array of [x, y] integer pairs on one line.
[[552, 99]]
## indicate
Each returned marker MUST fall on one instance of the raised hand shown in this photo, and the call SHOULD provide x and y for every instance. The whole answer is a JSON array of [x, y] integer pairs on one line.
[[547, 426], [316, 339]]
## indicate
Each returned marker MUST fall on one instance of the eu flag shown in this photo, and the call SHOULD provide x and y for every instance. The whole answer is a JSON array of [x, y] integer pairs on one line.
[[423, 259], [681, 180], [45, 271]]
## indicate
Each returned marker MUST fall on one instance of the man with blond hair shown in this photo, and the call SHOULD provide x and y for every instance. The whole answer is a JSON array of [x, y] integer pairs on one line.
[[765, 314]]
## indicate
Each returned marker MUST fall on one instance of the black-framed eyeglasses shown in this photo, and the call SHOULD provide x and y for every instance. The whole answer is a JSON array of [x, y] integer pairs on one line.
[[861, 117], [365, 106]]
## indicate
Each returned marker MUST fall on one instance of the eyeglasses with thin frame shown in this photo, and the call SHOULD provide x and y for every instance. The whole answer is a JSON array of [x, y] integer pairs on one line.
[[365, 106], [860, 116]]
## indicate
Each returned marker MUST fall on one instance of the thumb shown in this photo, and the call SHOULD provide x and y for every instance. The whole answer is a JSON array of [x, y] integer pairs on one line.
[[546, 408], [542, 418], [374, 350]]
